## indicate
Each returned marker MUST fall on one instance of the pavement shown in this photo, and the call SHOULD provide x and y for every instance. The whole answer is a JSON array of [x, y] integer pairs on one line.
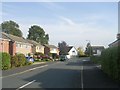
[[74, 73], [20, 69]]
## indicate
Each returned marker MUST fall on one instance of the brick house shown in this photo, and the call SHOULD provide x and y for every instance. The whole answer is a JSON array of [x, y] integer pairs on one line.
[[36, 47], [18, 45], [4, 43], [51, 49]]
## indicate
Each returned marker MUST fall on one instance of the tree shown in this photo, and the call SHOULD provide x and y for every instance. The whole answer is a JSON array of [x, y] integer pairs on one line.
[[80, 51], [37, 34], [63, 47], [11, 27], [88, 50]]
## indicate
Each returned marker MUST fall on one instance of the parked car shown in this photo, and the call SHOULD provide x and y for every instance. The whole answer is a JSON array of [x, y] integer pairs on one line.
[[30, 59], [63, 57]]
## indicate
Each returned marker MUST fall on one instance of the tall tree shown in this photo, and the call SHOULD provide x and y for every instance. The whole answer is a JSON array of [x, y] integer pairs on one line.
[[88, 50], [11, 27], [37, 34], [63, 47]]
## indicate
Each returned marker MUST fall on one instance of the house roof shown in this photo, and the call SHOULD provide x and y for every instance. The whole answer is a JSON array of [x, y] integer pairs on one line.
[[34, 42], [118, 40], [50, 46], [4, 36], [14, 38], [98, 47], [69, 48]]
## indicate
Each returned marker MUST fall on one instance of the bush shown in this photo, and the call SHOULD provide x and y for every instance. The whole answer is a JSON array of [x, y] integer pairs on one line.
[[5, 61], [111, 62], [14, 61], [21, 59], [0, 60]]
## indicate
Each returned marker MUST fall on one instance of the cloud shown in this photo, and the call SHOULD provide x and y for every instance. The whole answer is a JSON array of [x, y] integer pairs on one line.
[[66, 20]]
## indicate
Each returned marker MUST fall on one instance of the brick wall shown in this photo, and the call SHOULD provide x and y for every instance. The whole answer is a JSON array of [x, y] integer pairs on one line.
[[4, 46]]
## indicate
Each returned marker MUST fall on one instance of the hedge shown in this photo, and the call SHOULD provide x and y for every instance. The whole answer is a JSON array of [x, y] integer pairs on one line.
[[111, 62], [5, 61]]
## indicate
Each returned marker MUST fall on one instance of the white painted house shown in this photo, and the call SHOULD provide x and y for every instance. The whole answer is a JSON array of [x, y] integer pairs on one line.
[[96, 50], [72, 51]]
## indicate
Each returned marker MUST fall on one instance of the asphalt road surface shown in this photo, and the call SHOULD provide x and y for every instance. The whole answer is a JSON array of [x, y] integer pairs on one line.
[[73, 73]]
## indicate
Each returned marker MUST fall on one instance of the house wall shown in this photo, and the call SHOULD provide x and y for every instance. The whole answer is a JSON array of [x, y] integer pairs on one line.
[[38, 49], [12, 48], [23, 48], [33, 49], [4, 45], [46, 50], [54, 50], [73, 52], [98, 52]]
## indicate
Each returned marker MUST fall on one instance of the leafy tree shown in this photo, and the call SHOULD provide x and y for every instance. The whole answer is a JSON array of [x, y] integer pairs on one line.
[[37, 34], [11, 27], [80, 51], [88, 50], [63, 47]]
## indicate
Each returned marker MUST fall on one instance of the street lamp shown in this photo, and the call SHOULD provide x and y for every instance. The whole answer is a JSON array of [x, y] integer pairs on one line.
[[89, 46]]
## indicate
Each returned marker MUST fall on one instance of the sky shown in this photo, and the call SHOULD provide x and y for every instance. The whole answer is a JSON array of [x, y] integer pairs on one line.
[[76, 23]]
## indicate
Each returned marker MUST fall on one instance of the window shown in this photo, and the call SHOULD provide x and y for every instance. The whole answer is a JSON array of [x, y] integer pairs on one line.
[[17, 45]]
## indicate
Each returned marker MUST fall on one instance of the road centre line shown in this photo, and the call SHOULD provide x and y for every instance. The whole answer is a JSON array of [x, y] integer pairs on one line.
[[24, 71], [26, 85], [82, 86]]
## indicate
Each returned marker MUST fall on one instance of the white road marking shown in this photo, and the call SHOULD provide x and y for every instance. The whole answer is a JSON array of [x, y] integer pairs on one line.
[[26, 85], [24, 71], [82, 86]]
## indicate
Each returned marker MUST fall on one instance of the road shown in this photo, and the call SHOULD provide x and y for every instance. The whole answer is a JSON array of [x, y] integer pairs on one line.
[[73, 73]]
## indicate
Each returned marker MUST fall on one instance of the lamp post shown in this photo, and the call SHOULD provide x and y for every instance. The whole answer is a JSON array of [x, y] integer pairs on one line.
[[89, 46]]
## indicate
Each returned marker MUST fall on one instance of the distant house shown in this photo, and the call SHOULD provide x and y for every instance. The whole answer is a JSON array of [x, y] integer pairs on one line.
[[4, 43], [116, 42], [36, 47], [72, 51], [51, 49], [18, 45], [96, 50]]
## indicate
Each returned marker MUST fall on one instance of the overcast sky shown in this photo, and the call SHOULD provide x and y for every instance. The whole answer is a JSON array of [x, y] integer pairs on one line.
[[73, 22]]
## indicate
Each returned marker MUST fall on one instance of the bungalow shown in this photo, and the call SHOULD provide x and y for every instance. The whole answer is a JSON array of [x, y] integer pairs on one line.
[[96, 50], [51, 49], [18, 45], [36, 47], [72, 51], [4, 43]]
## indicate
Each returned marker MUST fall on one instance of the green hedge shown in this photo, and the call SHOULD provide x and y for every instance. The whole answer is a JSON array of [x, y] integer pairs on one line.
[[111, 62], [5, 61]]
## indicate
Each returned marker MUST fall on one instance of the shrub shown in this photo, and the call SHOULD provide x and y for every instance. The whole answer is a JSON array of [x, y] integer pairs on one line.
[[14, 61], [111, 62], [5, 61], [0, 60], [21, 59]]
